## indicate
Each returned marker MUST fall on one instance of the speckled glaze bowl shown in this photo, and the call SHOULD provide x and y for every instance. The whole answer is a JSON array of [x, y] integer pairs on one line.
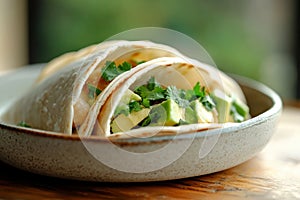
[[71, 157]]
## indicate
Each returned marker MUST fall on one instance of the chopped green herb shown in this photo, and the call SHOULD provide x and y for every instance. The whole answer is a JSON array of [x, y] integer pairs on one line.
[[134, 106], [152, 84], [208, 103], [127, 109], [190, 95], [125, 66], [23, 124], [240, 107], [146, 103], [238, 111], [199, 91], [177, 95], [236, 116], [93, 91], [152, 91], [196, 93], [111, 71]]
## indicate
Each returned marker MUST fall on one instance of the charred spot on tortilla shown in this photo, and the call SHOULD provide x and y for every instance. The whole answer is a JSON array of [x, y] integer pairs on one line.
[[135, 54], [185, 65], [135, 62], [190, 66]]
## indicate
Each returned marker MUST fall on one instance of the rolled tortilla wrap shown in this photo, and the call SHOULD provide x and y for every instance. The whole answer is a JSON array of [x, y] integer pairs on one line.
[[168, 71], [58, 101]]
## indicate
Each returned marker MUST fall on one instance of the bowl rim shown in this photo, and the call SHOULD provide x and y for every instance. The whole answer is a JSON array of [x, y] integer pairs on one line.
[[276, 108]]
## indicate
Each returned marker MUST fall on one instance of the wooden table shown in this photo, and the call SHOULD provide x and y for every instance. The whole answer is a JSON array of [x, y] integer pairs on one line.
[[272, 174]]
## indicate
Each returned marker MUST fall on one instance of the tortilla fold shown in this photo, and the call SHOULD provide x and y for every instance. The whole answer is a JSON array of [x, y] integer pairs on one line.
[[58, 101]]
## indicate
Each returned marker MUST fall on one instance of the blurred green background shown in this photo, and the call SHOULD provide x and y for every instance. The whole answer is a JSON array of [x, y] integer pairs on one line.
[[251, 38]]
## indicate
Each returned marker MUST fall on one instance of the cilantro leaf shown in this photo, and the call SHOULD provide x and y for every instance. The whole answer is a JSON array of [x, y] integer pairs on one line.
[[198, 91], [134, 106], [152, 84], [236, 116], [125, 66], [152, 91], [156, 94], [190, 95], [111, 71], [127, 109], [146, 103], [208, 103], [93, 91], [177, 95]]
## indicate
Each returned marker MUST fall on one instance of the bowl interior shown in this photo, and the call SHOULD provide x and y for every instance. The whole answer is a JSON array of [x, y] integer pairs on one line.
[[257, 101]]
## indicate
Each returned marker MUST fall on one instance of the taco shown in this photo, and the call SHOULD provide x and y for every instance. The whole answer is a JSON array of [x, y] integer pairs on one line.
[[95, 90], [170, 95], [69, 85]]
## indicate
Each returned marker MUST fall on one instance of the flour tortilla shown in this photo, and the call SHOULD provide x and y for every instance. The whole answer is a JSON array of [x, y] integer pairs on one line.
[[168, 71], [57, 103]]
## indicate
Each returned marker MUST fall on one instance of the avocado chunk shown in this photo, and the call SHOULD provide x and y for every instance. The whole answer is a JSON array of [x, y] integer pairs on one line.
[[190, 116], [123, 107], [223, 105], [124, 123], [167, 113], [241, 107], [202, 115], [129, 96], [239, 111]]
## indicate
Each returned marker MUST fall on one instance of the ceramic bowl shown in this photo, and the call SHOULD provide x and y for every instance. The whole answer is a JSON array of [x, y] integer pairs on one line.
[[138, 159]]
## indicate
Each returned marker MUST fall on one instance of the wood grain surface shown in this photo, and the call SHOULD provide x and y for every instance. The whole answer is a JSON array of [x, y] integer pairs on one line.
[[273, 174]]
